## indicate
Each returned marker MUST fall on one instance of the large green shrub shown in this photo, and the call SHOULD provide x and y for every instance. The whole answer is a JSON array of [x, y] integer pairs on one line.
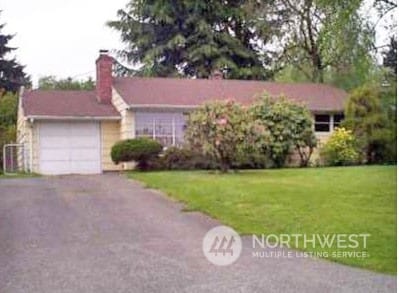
[[222, 131], [371, 115], [340, 149], [175, 158], [290, 128], [141, 150]]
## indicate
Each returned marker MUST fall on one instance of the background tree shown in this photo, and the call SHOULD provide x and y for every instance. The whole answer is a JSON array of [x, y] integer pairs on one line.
[[12, 75], [390, 56], [385, 6], [318, 36], [369, 119], [190, 38], [386, 10], [52, 83], [8, 120]]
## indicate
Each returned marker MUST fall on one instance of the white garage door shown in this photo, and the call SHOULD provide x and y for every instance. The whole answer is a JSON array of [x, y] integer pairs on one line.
[[69, 148]]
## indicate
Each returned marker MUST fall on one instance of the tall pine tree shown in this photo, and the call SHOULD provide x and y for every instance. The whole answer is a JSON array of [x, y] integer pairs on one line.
[[190, 38], [390, 55], [12, 75]]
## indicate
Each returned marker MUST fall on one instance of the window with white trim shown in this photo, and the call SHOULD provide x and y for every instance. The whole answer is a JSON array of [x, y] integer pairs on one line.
[[167, 128], [338, 118], [322, 123]]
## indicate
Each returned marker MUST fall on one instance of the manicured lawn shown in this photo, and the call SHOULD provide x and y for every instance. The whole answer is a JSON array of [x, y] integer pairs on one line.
[[288, 201]]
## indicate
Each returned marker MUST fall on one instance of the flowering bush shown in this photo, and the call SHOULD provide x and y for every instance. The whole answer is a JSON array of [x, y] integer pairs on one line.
[[223, 131], [340, 149]]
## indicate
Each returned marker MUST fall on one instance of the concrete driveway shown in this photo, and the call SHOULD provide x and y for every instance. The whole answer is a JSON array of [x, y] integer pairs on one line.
[[107, 234]]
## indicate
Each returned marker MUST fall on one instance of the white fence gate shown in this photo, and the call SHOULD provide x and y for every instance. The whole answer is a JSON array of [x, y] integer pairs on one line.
[[14, 159]]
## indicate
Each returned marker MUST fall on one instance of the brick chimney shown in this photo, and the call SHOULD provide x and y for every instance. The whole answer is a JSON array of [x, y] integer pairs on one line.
[[104, 77]]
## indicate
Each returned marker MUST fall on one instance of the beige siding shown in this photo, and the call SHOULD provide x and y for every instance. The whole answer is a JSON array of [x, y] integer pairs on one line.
[[27, 135], [110, 134], [322, 137], [127, 116], [126, 123], [21, 137], [21, 123], [34, 130]]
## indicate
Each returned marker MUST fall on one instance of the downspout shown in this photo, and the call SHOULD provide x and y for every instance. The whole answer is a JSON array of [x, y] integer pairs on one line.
[[31, 145]]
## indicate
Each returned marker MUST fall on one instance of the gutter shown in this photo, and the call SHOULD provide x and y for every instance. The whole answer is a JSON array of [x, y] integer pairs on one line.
[[79, 118], [162, 106], [193, 107], [31, 145]]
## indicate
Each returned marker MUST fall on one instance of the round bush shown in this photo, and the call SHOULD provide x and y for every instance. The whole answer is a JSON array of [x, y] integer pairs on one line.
[[140, 150], [340, 149]]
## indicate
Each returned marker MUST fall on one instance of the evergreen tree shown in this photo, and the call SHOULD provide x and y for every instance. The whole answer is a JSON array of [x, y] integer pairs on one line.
[[12, 75], [190, 38], [390, 55], [372, 123]]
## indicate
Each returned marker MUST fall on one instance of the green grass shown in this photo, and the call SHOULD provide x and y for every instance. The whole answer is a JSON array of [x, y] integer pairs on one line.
[[18, 175], [287, 201]]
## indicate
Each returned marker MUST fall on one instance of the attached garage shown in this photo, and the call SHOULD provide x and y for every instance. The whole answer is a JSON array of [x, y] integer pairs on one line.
[[67, 132], [69, 148]]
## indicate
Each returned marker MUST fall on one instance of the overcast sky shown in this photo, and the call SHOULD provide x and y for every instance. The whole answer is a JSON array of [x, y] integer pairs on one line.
[[62, 37]]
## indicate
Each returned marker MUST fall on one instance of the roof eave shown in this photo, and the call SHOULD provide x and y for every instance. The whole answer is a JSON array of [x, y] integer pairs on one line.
[[162, 106], [191, 107], [76, 118]]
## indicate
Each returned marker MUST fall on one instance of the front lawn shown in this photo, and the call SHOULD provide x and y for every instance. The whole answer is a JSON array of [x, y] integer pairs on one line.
[[349, 200]]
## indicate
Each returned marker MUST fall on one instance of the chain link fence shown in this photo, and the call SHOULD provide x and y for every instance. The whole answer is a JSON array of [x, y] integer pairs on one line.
[[14, 159]]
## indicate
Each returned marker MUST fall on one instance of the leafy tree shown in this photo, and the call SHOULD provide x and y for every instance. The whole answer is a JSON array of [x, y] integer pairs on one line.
[[367, 117], [190, 38], [12, 75], [385, 6], [222, 131], [52, 83], [318, 36], [8, 120], [8, 109], [290, 126], [387, 15]]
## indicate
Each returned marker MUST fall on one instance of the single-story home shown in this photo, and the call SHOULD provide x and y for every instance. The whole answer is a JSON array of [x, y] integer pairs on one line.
[[66, 132]]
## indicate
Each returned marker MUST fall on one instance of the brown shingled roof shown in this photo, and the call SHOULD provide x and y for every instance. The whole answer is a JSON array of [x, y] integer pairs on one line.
[[60, 103], [192, 92]]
